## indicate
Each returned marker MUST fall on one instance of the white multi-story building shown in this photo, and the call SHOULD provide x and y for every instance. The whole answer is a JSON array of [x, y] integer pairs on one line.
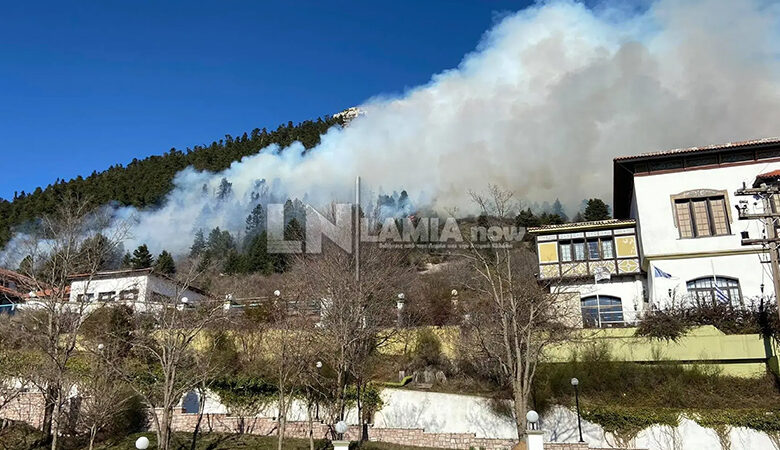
[[688, 233], [130, 286]]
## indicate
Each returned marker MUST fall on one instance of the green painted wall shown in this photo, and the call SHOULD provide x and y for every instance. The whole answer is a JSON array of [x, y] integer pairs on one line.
[[739, 355]]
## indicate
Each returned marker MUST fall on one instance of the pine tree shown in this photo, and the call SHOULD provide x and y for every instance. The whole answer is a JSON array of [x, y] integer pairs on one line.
[[26, 266], [142, 258], [165, 264], [257, 258], [596, 210], [225, 189], [526, 218], [557, 209], [219, 244], [235, 263], [255, 222], [198, 245]]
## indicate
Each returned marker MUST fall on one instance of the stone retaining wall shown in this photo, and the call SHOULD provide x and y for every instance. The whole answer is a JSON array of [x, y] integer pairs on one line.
[[223, 423], [27, 407]]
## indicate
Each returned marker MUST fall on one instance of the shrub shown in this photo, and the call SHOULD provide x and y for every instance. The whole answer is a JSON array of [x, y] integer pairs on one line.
[[672, 323], [669, 325], [427, 349]]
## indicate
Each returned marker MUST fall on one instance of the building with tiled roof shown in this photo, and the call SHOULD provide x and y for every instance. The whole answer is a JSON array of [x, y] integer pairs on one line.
[[12, 289], [678, 205]]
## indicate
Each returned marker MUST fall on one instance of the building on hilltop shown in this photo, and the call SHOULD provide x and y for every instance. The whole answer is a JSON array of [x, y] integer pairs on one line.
[[680, 205]]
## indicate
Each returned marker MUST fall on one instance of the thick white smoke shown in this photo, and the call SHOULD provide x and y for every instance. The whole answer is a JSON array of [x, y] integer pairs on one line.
[[550, 95]]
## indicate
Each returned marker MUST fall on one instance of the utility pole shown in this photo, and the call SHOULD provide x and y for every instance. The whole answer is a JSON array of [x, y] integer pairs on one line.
[[357, 229], [769, 217]]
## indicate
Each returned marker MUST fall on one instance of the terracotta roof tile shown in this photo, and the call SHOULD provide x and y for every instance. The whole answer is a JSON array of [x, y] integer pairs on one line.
[[772, 174], [677, 151], [582, 225]]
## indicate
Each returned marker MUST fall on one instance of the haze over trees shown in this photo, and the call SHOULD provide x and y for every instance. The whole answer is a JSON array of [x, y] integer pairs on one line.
[[145, 182]]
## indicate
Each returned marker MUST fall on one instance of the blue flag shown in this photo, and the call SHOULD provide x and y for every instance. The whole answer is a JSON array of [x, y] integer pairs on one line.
[[658, 273]]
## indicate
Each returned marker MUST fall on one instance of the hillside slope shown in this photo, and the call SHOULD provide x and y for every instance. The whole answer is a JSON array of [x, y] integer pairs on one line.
[[145, 182]]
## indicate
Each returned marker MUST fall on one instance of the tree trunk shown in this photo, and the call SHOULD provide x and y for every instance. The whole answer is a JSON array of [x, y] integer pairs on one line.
[[92, 433], [164, 429], [55, 419], [521, 408], [281, 419], [201, 408], [311, 425], [48, 412]]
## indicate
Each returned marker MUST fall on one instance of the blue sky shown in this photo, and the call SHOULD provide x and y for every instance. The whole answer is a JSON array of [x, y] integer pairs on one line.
[[88, 84]]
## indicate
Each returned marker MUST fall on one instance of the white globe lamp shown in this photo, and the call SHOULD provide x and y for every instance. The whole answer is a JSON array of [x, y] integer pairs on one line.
[[142, 443]]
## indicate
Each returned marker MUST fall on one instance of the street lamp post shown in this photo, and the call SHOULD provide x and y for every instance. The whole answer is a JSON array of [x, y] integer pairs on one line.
[[317, 402], [575, 382], [341, 444], [399, 305]]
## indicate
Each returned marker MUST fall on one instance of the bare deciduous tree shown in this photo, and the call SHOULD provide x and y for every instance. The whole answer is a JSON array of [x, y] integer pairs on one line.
[[170, 351], [511, 317], [357, 315], [75, 239]]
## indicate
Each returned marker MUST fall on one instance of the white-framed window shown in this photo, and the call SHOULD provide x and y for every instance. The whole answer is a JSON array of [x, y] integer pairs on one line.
[[715, 289], [592, 249], [602, 311], [565, 252]]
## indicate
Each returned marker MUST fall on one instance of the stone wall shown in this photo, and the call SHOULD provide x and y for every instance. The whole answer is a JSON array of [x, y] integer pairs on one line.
[[27, 407], [223, 423]]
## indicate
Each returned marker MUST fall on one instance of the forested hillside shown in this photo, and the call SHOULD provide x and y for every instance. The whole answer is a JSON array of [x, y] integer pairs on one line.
[[145, 182]]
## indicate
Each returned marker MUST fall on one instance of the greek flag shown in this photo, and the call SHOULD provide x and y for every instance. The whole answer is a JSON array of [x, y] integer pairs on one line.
[[658, 273], [720, 295]]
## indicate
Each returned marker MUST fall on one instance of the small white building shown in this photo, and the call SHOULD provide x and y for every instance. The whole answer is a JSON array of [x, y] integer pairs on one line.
[[130, 286]]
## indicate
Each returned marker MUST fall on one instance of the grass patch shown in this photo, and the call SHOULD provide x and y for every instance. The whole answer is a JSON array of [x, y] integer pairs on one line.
[[653, 386]]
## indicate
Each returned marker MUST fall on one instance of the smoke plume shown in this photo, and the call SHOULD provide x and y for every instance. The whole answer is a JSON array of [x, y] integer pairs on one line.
[[548, 97]]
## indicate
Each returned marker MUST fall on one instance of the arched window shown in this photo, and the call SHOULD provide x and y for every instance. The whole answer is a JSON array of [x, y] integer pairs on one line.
[[715, 289], [602, 311]]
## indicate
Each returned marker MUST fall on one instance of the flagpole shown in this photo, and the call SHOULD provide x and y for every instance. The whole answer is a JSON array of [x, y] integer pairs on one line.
[[714, 284], [598, 302]]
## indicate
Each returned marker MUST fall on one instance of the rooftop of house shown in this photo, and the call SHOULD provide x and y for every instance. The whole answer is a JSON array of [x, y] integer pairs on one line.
[[22, 283], [772, 176], [592, 225], [684, 159], [706, 148]]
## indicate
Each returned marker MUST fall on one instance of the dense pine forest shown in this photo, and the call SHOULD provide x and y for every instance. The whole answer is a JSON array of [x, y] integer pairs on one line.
[[145, 182]]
